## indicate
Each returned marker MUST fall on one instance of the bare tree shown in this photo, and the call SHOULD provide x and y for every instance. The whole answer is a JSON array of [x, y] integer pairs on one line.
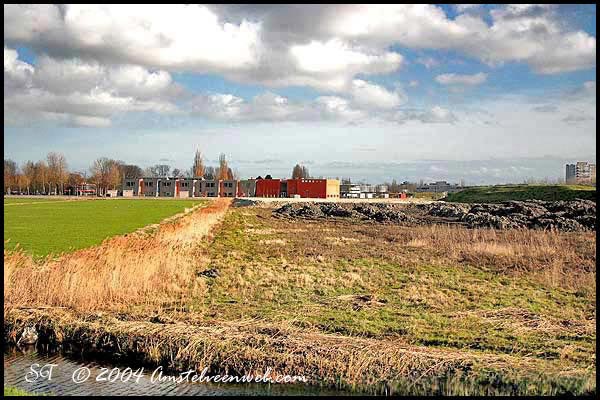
[[149, 172], [106, 173], [131, 171], [177, 173], [198, 168], [160, 170], [41, 176], [297, 172], [224, 172], [10, 174], [28, 170], [305, 173], [300, 171], [210, 173], [57, 170]]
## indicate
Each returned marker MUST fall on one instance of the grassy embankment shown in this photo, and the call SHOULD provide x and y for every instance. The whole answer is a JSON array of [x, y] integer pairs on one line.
[[53, 226], [10, 391], [492, 194], [372, 307]]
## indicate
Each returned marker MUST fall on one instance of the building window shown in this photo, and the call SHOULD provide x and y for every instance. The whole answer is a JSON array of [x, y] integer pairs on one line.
[[148, 184]]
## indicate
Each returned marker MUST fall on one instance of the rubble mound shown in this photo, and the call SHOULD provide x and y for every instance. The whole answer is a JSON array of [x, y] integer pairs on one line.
[[376, 212], [568, 216], [448, 210]]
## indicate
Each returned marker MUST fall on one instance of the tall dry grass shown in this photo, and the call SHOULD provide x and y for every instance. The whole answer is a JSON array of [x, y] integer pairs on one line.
[[142, 268], [560, 259]]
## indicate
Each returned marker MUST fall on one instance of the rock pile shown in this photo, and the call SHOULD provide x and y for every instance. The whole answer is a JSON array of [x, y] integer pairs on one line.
[[568, 216], [376, 212]]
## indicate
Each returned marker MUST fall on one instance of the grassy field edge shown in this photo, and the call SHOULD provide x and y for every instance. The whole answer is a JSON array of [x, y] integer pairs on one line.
[[499, 193], [342, 362]]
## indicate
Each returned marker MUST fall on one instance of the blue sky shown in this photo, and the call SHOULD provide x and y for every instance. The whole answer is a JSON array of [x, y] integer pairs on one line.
[[492, 93]]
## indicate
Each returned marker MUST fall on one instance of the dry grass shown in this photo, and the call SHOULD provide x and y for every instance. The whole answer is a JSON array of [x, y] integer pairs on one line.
[[413, 310], [252, 346], [151, 266], [564, 260]]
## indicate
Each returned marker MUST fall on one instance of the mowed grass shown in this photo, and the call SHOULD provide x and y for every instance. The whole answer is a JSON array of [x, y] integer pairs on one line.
[[491, 194], [49, 227], [21, 200]]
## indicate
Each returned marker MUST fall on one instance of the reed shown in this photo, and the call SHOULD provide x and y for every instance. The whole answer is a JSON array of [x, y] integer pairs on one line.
[[151, 267]]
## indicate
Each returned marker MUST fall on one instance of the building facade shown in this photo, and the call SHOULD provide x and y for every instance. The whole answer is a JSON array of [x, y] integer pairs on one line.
[[580, 173], [198, 187], [268, 187], [439, 187], [207, 188], [185, 187], [228, 188], [313, 188], [247, 188]]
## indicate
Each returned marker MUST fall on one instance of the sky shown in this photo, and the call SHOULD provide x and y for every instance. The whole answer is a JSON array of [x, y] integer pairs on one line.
[[483, 93]]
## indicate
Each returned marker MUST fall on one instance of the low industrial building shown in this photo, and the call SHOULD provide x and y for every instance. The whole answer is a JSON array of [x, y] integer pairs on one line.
[[363, 191], [439, 187], [247, 188], [268, 187], [207, 188], [313, 188], [184, 187], [198, 187], [228, 188], [350, 190]]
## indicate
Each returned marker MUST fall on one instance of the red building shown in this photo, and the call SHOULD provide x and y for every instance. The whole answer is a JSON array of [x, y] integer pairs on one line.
[[268, 187], [313, 188]]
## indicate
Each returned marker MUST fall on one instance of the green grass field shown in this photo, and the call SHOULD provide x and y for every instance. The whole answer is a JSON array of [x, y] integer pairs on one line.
[[20, 200], [492, 194], [51, 226]]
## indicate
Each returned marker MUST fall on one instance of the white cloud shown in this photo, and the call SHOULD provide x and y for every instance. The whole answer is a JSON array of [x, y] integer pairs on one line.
[[17, 74], [369, 95], [458, 79], [322, 46], [81, 93], [382, 106], [174, 36], [93, 122], [530, 34], [337, 63], [428, 62]]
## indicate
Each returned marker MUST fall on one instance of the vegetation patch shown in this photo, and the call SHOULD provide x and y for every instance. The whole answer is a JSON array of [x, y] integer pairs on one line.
[[43, 228], [499, 193]]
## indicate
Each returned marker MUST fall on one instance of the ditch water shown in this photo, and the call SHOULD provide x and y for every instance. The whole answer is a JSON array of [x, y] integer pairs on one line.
[[17, 364]]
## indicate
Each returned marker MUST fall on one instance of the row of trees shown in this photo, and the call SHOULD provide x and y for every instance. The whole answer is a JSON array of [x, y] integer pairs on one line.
[[45, 176], [51, 175]]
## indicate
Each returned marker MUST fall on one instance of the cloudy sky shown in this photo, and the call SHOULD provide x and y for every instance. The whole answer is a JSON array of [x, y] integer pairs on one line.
[[489, 94]]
